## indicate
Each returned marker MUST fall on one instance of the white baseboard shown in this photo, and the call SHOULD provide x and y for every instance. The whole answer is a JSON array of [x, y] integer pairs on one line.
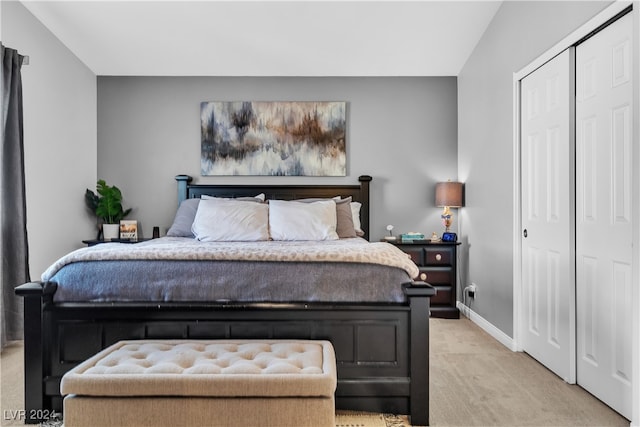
[[487, 326]]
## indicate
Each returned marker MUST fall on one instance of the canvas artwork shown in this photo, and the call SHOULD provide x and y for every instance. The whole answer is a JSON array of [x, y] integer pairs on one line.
[[273, 138]]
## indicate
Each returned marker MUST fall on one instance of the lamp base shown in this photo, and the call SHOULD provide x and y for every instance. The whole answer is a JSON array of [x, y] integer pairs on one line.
[[447, 219]]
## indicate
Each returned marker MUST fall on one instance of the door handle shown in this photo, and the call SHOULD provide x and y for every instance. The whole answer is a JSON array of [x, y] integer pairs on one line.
[[524, 233]]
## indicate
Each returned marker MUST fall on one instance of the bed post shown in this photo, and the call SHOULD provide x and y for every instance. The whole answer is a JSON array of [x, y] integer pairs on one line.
[[418, 294], [183, 180], [364, 195], [35, 294]]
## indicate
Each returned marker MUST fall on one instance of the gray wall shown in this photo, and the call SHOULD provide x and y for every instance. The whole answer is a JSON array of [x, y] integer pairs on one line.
[[402, 131], [520, 32], [59, 96]]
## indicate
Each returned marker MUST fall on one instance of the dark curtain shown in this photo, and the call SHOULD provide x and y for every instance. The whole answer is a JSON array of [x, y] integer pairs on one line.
[[15, 252]]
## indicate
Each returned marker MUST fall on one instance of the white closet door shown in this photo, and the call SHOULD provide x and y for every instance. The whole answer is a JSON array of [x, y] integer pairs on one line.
[[547, 217], [603, 214]]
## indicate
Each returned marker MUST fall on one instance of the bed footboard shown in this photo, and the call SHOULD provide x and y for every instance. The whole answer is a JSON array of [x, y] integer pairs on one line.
[[373, 374]]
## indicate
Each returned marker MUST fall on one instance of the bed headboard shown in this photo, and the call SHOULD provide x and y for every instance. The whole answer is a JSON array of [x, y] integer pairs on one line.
[[358, 192]]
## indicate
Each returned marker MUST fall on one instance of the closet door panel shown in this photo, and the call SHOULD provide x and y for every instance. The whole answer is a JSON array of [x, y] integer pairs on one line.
[[547, 217], [603, 214]]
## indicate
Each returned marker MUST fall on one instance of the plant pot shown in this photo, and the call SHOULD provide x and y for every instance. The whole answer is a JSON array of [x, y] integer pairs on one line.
[[110, 231]]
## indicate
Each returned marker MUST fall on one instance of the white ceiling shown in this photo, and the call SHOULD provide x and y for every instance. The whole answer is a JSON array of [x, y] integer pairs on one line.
[[268, 38]]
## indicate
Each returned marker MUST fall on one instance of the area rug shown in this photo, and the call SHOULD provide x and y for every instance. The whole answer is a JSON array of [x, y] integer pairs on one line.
[[343, 419], [367, 419]]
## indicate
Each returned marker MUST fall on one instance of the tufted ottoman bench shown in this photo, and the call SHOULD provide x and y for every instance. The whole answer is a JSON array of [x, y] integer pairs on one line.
[[203, 383]]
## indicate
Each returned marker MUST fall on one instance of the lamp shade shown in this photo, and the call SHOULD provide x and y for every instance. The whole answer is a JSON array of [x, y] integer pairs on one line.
[[449, 194]]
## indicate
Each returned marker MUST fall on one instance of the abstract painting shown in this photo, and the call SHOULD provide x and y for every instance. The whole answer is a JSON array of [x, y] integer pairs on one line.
[[273, 138]]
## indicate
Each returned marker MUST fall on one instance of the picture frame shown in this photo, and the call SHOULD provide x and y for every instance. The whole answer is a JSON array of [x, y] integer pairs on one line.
[[129, 229]]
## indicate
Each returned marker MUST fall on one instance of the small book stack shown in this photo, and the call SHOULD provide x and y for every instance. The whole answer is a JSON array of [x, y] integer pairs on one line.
[[411, 236]]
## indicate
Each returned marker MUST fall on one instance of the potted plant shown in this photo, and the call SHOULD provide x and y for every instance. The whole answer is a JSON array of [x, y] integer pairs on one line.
[[107, 206]]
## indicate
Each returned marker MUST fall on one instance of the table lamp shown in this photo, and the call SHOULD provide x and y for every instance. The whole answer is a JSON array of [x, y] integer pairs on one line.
[[448, 195]]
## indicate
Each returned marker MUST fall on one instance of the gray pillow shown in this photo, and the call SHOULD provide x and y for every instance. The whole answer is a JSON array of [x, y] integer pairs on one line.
[[345, 227], [185, 215]]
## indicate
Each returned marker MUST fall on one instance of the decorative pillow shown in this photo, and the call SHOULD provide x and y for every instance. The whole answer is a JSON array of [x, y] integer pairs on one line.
[[355, 211], [186, 213], [231, 220], [344, 227], [293, 220]]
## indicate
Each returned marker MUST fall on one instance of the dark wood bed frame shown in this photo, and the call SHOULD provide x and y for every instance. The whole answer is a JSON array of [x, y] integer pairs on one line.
[[382, 349]]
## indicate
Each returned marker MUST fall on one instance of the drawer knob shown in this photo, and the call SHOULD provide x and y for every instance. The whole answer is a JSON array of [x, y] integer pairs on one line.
[[423, 276], [438, 257]]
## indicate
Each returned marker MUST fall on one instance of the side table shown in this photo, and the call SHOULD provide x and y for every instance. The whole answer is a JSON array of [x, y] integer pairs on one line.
[[437, 264], [93, 242]]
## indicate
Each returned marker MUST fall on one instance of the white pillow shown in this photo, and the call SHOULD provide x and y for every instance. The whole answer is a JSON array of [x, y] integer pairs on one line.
[[355, 211], [219, 220], [257, 198], [290, 220]]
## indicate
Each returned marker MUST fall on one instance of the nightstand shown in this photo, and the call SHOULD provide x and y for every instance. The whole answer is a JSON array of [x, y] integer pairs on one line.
[[93, 242], [437, 263]]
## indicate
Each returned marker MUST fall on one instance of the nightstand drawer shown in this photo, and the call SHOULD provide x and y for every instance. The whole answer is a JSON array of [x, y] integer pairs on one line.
[[442, 296], [430, 256], [436, 277], [416, 254], [438, 256]]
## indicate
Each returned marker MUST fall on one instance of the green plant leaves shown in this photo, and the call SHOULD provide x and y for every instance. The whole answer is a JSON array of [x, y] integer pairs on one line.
[[107, 204]]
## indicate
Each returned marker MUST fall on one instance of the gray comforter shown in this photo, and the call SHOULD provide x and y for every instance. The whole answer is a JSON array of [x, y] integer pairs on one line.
[[180, 269]]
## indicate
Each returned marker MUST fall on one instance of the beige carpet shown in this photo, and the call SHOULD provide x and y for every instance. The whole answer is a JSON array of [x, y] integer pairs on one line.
[[12, 384], [475, 381]]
